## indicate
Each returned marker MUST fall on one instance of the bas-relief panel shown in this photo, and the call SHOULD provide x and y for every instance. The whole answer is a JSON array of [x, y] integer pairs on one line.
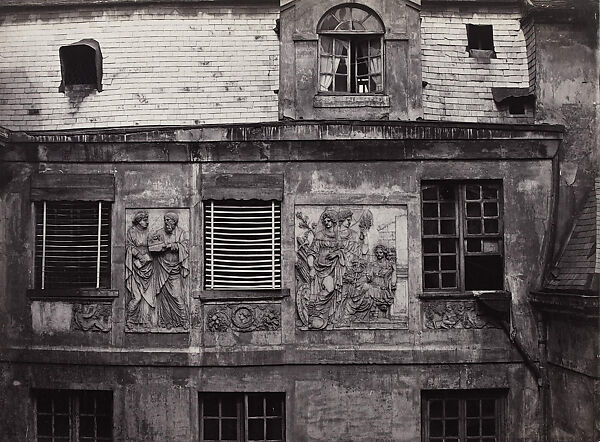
[[243, 317], [157, 270], [92, 317], [445, 315], [351, 267]]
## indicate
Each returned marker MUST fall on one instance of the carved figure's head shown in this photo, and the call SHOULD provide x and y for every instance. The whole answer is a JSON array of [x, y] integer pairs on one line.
[[171, 220], [141, 219], [390, 254], [329, 217], [345, 217], [379, 251]]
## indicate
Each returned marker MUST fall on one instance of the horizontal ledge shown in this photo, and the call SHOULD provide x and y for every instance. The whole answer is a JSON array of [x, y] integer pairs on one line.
[[72, 294], [463, 295], [242, 294], [351, 100]]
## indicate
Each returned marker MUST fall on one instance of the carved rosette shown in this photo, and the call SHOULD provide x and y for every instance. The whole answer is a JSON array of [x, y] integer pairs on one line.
[[92, 317], [446, 315], [243, 318]]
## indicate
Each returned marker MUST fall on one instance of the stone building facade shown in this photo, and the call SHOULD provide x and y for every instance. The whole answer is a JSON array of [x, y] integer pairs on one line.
[[304, 220]]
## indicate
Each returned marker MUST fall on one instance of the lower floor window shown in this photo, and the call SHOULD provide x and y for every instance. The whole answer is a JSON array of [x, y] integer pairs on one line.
[[73, 415], [242, 417], [463, 416]]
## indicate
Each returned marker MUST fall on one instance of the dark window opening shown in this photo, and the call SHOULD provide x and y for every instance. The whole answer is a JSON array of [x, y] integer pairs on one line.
[[73, 415], [462, 236], [480, 37], [242, 417], [79, 64], [516, 107], [463, 415], [72, 244], [242, 244]]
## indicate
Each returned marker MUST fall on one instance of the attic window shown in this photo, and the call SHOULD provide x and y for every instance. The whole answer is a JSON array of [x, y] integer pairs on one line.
[[480, 41], [81, 64]]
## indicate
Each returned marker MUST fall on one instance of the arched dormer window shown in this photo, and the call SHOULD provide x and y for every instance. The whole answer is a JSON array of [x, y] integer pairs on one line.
[[350, 51]]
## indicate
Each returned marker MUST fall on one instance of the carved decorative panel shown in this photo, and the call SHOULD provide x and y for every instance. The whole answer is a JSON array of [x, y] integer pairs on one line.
[[351, 267], [157, 268], [92, 317], [444, 315], [243, 317]]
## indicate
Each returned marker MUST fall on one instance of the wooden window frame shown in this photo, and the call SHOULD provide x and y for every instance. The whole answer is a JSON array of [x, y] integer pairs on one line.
[[462, 397], [74, 414], [242, 414], [460, 235]]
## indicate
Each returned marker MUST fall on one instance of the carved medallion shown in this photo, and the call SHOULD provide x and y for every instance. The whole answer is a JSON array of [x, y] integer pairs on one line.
[[157, 270], [92, 317], [243, 318], [445, 315], [351, 267]]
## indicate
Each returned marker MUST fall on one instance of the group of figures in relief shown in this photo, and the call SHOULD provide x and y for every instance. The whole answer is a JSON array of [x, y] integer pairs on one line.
[[340, 280], [156, 270]]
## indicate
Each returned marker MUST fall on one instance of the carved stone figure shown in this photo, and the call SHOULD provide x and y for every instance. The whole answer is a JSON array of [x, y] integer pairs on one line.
[[338, 282], [139, 271], [169, 246], [156, 271], [445, 315], [92, 317]]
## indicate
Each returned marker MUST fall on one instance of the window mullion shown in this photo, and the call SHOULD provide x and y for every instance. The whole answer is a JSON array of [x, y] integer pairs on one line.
[[460, 214], [98, 244], [74, 415], [212, 244], [273, 244], [243, 417]]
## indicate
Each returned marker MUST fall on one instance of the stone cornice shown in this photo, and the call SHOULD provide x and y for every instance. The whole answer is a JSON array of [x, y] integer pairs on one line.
[[34, 4]]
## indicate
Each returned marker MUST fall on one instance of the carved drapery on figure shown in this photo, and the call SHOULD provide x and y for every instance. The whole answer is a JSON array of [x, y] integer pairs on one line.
[[156, 271], [347, 267]]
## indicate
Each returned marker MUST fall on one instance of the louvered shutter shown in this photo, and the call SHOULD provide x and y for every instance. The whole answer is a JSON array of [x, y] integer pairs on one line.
[[72, 244], [242, 244]]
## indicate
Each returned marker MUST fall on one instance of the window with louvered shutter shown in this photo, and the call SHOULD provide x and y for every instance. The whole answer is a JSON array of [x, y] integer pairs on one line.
[[72, 244], [242, 243]]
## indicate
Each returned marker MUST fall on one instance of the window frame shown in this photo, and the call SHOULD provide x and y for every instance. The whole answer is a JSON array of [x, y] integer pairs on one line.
[[498, 395], [74, 399], [242, 414], [353, 39], [275, 249], [461, 235]]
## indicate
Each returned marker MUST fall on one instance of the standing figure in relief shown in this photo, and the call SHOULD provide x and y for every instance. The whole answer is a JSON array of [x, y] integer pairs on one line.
[[381, 280], [326, 262], [170, 248], [139, 274]]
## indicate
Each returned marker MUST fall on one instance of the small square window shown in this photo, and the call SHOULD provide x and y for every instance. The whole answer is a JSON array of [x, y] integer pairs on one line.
[[242, 243], [73, 415], [462, 415], [242, 417], [81, 64], [480, 37]]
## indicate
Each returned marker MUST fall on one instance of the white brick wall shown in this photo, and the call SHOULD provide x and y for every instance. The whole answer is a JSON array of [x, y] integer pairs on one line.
[[459, 86], [178, 65]]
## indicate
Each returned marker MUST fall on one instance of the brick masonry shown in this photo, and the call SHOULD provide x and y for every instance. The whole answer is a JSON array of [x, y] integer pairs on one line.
[[180, 65], [460, 87]]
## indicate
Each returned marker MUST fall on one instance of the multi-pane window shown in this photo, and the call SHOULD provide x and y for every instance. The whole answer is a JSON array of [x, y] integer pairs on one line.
[[242, 417], [72, 244], [462, 235], [242, 244], [72, 415], [350, 51], [463, 416]]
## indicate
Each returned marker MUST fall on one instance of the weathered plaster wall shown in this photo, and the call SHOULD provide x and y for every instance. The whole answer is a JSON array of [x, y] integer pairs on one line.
[[323, 402], [167, 65], [459, 86]]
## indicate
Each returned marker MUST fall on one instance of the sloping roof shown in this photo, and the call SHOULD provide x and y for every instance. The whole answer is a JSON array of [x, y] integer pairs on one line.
[[579, 264]]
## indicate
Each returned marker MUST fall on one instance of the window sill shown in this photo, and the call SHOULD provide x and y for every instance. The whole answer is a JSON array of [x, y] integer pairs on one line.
[[242, 295], [351, 100], [72, 294], [484, 54], [483, 295]]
